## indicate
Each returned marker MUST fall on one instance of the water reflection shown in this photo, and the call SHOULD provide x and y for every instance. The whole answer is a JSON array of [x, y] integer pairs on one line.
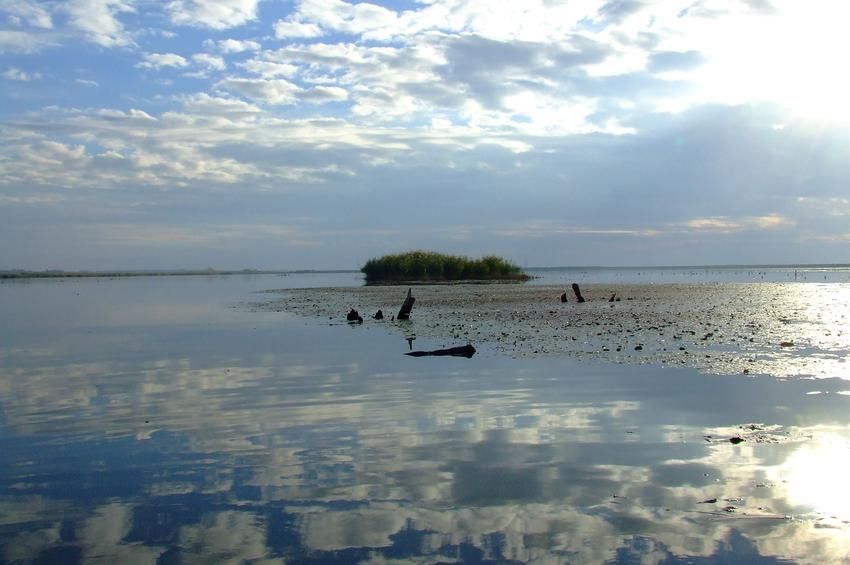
[[299, 442]]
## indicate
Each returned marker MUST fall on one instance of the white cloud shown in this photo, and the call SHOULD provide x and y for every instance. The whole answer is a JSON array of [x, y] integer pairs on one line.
[[12, 41], [20, 76], [533, 20], [716, 224], [161, 60], [87, 82], [209, 62], [204, 104], [545, 228], [213, 14], [366, 19], [270, 91], [269, 69], [26, 12], [236, 45], [828, 206], [290, 29], [36, 200], [770, 222], [98, 20], [725, 224], [320, 94]]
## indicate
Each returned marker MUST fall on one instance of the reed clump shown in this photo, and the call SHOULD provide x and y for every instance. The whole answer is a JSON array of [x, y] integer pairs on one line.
[[437, 267]]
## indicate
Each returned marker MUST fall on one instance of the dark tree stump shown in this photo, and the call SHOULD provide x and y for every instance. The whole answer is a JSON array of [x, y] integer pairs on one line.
[[407, 306], [577, 292]]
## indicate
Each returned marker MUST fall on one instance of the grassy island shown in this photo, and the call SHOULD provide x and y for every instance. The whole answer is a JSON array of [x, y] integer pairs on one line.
[[430, 266]]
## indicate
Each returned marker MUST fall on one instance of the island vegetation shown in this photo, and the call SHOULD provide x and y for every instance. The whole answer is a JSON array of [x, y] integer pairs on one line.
[[415, 266]]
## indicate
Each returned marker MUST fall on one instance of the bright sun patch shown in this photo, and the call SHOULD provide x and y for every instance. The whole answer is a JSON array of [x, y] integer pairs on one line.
[[795, 57], [816, 476]]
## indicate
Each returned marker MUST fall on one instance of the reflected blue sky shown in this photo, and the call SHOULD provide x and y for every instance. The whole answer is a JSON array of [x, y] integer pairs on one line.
[[145, 419]]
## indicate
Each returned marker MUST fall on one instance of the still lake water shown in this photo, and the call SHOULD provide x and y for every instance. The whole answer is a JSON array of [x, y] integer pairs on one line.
[[162, 420]]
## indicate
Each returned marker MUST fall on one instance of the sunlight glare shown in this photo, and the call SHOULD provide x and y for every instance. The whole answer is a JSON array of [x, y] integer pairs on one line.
[[794, 58], [816, 476]]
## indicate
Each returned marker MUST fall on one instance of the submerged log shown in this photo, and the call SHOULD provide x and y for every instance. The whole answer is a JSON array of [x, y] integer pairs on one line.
[[404, 313], [463, 351], [577, 292]]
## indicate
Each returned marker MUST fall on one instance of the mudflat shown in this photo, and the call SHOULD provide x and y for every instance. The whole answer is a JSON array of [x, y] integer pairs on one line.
[[783, 329]]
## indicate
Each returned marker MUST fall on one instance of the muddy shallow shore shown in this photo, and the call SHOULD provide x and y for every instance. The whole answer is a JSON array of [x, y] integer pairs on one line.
[[783, 329]]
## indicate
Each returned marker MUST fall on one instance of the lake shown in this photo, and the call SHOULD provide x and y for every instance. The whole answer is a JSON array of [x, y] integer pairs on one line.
[[165, 420]]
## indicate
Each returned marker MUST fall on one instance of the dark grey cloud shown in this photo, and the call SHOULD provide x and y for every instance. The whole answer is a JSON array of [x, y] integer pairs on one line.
[[480, 64], [488, 69]]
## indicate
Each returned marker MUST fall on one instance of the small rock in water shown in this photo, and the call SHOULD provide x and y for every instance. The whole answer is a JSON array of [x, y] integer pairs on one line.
[[735, 440], [379, 315], [786, 344]]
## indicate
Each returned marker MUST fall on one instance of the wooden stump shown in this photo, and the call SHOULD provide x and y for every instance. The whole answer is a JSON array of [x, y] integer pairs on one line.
[[577, 292], [406, 307]]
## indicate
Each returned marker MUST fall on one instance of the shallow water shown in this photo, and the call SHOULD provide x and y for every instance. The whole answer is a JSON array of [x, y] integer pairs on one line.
[[687, 275], [161, 419]]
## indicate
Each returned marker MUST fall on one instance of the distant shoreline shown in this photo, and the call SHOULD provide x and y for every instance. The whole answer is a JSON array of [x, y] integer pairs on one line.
[[12, 275], [724, 267]]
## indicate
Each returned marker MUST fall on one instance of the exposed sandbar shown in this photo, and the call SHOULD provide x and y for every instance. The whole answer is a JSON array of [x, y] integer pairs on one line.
[[784, 329]]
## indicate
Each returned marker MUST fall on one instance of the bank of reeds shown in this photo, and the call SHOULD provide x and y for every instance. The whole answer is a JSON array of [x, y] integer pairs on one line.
[[430, 266]]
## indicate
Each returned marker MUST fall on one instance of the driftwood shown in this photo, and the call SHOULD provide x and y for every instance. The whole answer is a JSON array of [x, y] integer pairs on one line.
[[577, 292], [404, 313], [463, 351]]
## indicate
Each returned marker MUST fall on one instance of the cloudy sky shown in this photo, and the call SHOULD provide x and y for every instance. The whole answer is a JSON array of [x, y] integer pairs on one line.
[[320, 133]]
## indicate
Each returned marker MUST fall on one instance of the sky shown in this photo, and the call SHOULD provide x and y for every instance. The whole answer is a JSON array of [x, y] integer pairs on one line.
[[316, 134]]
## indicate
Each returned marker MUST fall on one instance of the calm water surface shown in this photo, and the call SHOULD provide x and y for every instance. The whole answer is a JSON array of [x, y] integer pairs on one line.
[[162, 420]]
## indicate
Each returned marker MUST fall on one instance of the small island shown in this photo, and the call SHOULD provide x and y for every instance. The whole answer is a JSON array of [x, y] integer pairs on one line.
[[428, 266]]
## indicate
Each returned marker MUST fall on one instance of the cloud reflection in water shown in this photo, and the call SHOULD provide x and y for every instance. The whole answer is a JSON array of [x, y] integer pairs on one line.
[[297, 442]]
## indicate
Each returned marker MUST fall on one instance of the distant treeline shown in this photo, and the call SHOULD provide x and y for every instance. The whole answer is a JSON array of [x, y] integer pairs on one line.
[[430, 266], [87, 274]]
